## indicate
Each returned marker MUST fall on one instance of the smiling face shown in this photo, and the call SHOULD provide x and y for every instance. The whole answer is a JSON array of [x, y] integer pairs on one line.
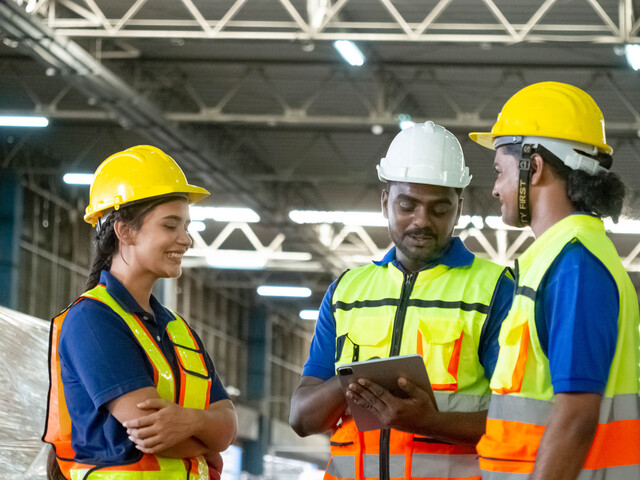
[[506, 186], [421, 221], [156, 249]]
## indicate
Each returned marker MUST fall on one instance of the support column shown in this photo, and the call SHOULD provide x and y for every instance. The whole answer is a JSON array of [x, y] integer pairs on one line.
[[11, 209], [258, 387]]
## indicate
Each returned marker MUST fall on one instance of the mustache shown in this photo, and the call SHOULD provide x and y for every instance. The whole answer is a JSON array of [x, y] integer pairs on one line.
[[427, 232]]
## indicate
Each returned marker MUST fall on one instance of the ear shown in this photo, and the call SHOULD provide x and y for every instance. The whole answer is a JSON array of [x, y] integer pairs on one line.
[[123, 232], [384, 201], [537, 167], [460, 203]]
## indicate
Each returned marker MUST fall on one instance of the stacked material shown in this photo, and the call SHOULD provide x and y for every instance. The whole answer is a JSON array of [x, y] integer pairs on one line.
[[25, 381]]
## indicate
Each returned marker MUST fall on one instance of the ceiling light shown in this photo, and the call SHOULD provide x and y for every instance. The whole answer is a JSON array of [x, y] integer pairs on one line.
[[197, 227], [236, 260], [18, 121], [309, 314], [274, 291], [633, 56], [377, 129], [624, 225], [350, 52], [364, 219], [224, 214], [404, 121], [78, 178]]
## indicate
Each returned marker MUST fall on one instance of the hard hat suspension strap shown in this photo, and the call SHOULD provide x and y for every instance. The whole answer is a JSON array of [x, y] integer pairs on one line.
[[524, 165]]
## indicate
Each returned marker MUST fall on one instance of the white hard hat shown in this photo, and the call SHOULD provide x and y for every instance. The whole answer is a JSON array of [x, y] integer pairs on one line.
[[425, 153]]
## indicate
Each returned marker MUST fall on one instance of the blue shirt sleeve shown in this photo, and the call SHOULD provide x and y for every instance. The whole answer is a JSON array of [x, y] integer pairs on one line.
[[577, 320], [322, 352], [498, 310], [98, 353]]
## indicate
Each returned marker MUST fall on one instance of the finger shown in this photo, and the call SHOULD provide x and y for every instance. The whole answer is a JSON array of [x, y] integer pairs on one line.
[[142, 433], [414, 391], [140, 422], [376, 390]]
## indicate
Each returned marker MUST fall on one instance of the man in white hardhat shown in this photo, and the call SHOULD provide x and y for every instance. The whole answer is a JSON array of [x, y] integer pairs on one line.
[[429, 295]]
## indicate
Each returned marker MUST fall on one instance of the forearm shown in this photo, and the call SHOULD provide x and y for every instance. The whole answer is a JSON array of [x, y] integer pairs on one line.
[[463, 428], [216, 427], [191, 447], [568, 437], [316, 406]]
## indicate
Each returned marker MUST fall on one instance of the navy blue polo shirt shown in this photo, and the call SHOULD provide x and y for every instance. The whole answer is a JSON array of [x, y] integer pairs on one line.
[[101, 360], [321, 361]]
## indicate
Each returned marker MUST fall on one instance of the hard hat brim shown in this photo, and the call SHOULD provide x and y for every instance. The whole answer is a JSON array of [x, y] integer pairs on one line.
[[484, 139]]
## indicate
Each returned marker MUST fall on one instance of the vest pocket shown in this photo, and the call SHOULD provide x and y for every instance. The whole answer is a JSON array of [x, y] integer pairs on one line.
[[368, 338], [514, 343], [440, 342]]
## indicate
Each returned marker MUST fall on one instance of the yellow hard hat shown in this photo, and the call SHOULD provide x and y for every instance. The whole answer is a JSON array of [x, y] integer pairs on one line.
[[549, 109], [135, 174]]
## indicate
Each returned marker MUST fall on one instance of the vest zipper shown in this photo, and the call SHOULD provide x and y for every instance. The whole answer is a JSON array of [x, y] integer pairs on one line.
[[396, 342]]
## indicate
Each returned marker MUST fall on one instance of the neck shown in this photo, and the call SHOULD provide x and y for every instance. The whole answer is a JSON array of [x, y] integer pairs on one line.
[[549, 205], [138, 285]]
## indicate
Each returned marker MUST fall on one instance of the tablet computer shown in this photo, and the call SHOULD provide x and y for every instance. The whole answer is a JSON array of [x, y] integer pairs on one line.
[[384, 372]]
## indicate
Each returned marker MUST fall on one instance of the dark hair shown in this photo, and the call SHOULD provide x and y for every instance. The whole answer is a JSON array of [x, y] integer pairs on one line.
[[106, 241], [601, 194]]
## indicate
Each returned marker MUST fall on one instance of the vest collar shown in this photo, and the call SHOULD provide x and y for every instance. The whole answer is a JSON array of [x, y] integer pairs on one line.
[[563, 228], [120, 294]]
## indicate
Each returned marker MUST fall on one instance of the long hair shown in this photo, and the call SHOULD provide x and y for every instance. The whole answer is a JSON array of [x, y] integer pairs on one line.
[[106, 241], [601, 194]]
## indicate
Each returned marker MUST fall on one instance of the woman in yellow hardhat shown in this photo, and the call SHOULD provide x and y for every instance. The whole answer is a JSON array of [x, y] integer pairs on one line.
[[565, 401], [133, 392]]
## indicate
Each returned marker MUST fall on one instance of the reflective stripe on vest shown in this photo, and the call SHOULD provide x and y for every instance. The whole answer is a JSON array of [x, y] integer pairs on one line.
[[523, 394], [194, 393], [445, 312]]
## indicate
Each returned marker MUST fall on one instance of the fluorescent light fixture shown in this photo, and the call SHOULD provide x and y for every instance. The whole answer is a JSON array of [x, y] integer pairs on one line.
[[364, 219], [224, 214], [496, 223], [236, 260], [78, 178], [625, 225], [467, 220], [633, 55], [404, 121], [309, 314], [274, 291], [197, 227], [350, 52], [18, 121]]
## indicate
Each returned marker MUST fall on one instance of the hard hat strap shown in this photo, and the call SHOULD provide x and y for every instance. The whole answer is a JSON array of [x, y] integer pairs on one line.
[[524, 165]]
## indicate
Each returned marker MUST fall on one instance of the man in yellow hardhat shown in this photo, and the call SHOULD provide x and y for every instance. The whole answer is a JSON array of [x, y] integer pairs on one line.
[[565, 401], [428, 295]]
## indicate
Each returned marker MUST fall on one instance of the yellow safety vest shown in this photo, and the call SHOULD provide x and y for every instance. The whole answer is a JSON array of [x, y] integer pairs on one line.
[[522, 399], [195, 384], [438, 313]]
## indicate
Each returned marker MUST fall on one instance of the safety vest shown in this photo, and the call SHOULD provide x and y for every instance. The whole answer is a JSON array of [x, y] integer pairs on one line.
[[189, 386], [438, 313], [522, 399]]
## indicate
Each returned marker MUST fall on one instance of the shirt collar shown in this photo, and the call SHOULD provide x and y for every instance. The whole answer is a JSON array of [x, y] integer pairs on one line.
[[455, 255], [120, 294]]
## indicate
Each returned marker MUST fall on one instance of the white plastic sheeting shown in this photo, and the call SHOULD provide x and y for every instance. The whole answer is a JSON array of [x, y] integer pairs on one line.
[[24, 383]]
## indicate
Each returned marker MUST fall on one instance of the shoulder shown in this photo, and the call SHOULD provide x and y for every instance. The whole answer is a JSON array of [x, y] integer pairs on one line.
[[573, 261]]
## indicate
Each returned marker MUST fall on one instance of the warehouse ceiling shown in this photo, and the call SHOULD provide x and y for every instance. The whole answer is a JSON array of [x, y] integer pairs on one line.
[[254, 102]]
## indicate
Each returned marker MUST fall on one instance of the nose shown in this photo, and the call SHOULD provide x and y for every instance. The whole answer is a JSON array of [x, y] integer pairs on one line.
[[494, 192], [421, 217], [185, 238]]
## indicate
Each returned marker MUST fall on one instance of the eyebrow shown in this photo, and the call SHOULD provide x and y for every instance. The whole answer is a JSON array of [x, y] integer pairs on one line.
[[177, 218], [403, 196]]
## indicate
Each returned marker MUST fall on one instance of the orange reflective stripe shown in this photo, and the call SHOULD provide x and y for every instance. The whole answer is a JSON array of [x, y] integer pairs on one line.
[[508, 466], [625, 435]]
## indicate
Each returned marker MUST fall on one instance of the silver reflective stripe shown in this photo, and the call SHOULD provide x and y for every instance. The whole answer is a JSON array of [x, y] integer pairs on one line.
[[627, 472], [445, 466], [504, 476], [520, 409], [460, 402], [620, 407], [538, 412], [371, 466], [342, 467]]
